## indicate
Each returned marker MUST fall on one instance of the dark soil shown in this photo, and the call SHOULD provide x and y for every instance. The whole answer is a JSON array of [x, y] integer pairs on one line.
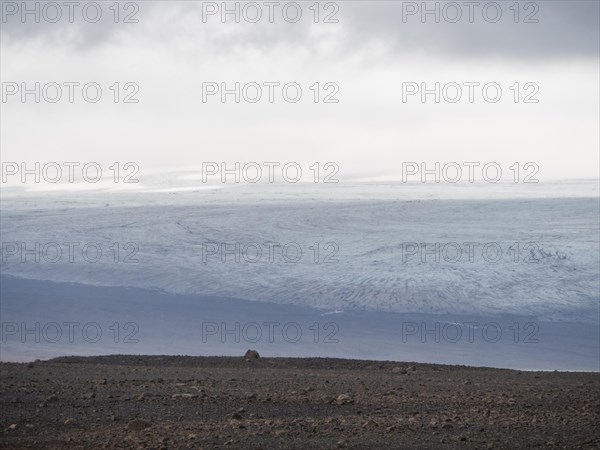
[[178, 402]]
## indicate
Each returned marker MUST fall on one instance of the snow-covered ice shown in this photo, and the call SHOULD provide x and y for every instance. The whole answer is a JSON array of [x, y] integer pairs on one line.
[[366, 254]]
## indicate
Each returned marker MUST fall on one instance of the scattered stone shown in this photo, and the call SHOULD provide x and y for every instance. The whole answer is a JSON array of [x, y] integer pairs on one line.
[[234, 423], [138, 425], [52, 398], [370, 424], [184, 395], [69, 422], [343, 399], [12, 427]]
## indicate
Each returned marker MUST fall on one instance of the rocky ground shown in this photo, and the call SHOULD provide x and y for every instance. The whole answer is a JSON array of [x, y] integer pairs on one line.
[[176, 402]]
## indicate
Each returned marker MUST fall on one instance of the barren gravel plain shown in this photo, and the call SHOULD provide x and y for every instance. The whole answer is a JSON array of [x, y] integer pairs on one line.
[[181, 402]]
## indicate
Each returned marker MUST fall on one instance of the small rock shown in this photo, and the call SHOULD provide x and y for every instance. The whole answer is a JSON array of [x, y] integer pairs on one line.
[[69, 422], [138, 425], [234, 423], [12, 427], [370, 424], [343, 399], [327, 399], [184, 395]]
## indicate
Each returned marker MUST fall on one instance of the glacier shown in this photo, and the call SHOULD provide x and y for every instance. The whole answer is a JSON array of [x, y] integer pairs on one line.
[[548, 266]]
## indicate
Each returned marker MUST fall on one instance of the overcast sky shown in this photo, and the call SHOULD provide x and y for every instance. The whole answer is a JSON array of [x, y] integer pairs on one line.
[[372, 49]]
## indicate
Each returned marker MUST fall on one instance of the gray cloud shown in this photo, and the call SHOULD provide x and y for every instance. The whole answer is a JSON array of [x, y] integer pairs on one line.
[[565, 29], [78, 34]]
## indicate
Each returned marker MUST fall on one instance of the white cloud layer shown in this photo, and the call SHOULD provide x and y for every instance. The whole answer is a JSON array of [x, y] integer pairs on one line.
[[369, 54]]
